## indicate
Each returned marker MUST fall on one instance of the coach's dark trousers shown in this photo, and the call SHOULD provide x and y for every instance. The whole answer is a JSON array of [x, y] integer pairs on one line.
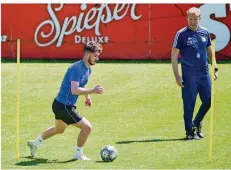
[[194, 84]]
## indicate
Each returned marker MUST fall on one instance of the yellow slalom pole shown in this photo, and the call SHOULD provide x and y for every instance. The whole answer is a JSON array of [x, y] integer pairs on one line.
[[212, 103], [17, 94]]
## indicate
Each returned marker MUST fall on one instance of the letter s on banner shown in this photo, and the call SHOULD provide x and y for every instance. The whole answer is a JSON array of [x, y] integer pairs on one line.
[[220, 30], [54, 23]]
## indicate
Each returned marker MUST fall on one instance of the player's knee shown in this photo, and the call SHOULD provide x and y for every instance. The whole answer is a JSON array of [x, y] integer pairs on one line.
[[87, 128]]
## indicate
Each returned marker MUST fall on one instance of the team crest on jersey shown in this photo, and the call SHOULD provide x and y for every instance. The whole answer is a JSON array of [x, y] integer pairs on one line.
[[203, 39], [190, 41]]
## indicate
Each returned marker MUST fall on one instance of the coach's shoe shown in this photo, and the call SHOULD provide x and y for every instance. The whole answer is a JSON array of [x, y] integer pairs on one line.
[[33, 147], [189, 137], [80, 156], [194, 132], [193, 135], [198, 131]]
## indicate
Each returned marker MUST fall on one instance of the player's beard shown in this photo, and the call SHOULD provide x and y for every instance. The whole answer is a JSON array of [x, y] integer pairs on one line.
[[91, 62]]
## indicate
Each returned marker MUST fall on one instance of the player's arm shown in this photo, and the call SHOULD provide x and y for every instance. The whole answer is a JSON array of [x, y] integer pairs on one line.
[[174, 59], [75, 89], [88, 101], [87, 95]]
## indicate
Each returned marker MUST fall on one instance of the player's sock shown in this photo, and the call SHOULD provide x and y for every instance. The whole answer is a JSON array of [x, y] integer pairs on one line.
[[79, 149], [38, 141], [79, 154]]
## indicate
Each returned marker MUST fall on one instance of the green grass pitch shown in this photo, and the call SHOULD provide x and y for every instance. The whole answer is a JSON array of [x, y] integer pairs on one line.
[[140, 114]]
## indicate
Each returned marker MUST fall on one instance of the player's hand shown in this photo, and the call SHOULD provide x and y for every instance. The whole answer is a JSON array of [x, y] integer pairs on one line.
[[98, 89], [88, 101], [215, 75], [179, 81]]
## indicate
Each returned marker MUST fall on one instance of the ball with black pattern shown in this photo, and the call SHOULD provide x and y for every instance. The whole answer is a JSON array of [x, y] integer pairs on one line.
[[108, 153]]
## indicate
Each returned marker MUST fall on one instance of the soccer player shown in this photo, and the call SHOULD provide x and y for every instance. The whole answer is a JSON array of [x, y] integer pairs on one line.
[[193, 42], [63, 106]]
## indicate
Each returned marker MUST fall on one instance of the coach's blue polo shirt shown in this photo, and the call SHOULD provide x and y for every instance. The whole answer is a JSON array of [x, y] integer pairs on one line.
[[193, 50], [79, 72]]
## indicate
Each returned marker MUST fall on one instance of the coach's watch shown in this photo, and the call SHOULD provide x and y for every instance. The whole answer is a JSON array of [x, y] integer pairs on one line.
[[216, 69]]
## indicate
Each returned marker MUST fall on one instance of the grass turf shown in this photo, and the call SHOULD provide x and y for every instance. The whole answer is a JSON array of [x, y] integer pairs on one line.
[[140, 114]]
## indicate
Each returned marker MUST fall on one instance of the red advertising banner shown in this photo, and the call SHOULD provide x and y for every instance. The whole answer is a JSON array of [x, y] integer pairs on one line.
[[127, 31]]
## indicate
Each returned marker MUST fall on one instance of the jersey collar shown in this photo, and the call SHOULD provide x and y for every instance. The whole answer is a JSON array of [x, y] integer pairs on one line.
[[195, 30]]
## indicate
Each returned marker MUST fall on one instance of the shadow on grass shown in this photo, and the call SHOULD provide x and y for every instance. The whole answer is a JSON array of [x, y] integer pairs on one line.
[[151, 140], [102, 162], [37, 161]]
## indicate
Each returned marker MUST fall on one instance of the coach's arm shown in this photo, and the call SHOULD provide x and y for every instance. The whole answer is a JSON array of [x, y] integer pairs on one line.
[[174, 59], [210, 55]]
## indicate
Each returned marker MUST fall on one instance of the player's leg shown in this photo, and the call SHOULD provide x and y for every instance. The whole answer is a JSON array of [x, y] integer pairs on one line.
[[60, 121], [59, 128], [205, 96], [86, 128], [189, 94], [76, 119]]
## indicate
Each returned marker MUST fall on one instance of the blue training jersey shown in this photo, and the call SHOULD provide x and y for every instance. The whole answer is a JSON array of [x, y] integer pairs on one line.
[[79, 72], [193, 50]]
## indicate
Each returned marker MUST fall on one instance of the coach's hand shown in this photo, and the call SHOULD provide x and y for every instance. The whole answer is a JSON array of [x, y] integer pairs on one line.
[[179, 81], [98, 89]]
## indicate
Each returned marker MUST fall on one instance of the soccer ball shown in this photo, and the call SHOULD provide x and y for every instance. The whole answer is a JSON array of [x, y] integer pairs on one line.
[[108, 153]]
